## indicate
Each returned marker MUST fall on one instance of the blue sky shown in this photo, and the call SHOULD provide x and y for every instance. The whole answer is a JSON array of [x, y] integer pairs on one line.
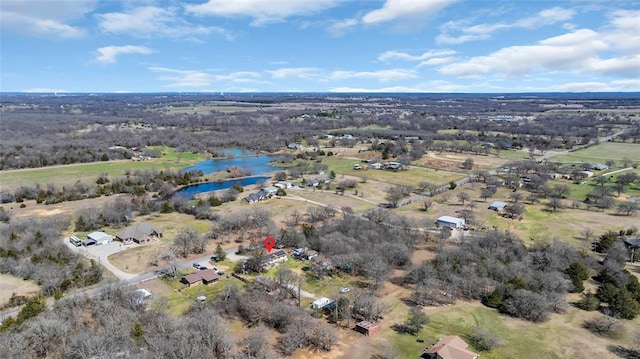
[[319, 46]]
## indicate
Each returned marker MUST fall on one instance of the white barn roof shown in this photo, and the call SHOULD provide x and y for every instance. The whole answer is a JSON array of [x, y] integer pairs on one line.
[[450, 219], [100, 237]]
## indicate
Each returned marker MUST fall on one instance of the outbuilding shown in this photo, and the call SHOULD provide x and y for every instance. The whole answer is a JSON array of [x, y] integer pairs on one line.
[[367, 328], [451, 222], [100, 237], [320, 303], [497, 206]]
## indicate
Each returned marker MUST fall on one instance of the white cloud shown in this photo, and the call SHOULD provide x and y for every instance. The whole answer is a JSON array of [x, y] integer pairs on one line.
[[295, 72], [381, 75], [183, 78], [261, 11], [596, 86], [627, 85], [437, 61], [44, 90], [203, 80], [397, 55], [151, 21], [397, 9], [583, 87], [108, 54], [429, 87], [624, 31], [45, 18], [574, 52], [484, 31], [340, 27], [545, 17]]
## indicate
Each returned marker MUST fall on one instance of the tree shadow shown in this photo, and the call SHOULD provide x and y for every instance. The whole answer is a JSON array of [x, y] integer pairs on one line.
[[623, 352]]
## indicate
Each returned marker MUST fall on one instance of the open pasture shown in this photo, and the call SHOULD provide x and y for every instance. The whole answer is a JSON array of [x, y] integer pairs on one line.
[[10, 285], [602, 152], [89, 172], [562, 337]]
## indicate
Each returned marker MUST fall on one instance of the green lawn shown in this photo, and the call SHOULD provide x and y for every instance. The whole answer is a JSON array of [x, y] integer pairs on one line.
[[180, 301], [602, 152], [89, 172], [562, 337]]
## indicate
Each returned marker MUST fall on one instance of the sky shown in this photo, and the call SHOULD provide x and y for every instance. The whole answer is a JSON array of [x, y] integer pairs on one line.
[[472, 46]]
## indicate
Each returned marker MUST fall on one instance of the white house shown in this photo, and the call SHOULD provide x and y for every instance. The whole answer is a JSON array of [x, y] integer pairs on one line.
[[100, 237], [451, 222]]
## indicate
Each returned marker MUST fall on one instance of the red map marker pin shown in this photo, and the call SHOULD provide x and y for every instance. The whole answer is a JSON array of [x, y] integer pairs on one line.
[[269, 243]]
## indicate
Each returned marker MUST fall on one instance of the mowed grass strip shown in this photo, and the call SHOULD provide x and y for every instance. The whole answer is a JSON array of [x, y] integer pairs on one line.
[[89, 172], [600, 153]]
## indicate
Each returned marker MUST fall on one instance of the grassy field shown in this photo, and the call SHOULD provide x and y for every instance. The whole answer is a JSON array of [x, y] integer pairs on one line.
[[562, 337], [89, 172], [600, 153], [411, 177]]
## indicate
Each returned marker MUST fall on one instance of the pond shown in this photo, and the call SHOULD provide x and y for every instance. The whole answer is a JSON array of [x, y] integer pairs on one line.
[[192, 190], [256, 165], [232, 152]]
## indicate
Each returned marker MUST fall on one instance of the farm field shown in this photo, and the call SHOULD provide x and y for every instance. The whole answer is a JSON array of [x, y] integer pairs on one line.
[[600, 153]]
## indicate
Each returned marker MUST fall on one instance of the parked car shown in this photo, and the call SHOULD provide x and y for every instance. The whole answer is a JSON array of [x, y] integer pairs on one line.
[[215, 269], [203, 267], [220, 273], [345, 290], [88, 242], [196, 265]]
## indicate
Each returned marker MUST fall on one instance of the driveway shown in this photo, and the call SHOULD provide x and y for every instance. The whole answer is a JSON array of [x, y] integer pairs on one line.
[[101, 254]]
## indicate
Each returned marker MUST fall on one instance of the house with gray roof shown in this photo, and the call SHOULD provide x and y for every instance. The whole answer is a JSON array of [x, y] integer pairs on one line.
[[139, 233]]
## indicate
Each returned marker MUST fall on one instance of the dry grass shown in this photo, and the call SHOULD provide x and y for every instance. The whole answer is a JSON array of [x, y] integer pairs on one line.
[[10, 284]]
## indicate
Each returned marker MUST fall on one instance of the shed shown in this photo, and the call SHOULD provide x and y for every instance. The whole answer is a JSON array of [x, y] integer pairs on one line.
[[367, 328], [497, 206], [451, 222], [320, 303], [100, 237]]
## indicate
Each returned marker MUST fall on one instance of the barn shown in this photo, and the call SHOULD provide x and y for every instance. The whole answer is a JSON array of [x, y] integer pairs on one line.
[[100, 237], [451, 222]]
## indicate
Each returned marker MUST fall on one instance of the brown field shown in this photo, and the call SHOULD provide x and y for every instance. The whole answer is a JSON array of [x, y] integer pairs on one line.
[[10, 285], [453, 161]]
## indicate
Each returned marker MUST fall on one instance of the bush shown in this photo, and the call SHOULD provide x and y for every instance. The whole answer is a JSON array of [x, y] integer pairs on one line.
[[588, 302], [526, 305], [605, 327], [484, 339], [494, 300]]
